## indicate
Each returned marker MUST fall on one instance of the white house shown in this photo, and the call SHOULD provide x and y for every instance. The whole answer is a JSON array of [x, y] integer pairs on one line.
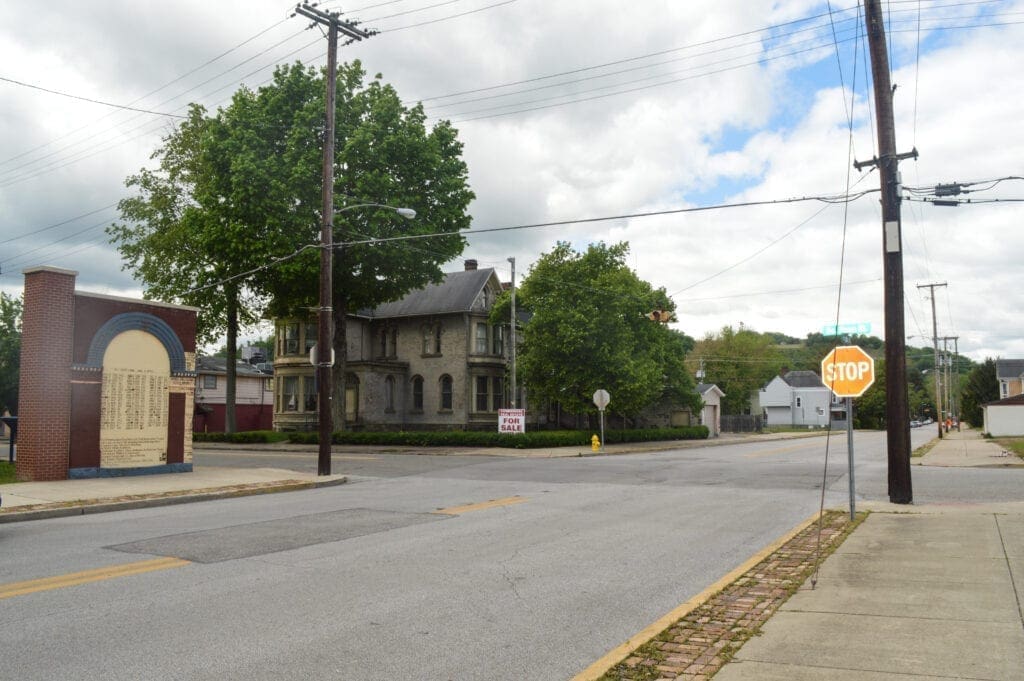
[[797, 398], [711, 414], [1010, 374], [1005, 418]]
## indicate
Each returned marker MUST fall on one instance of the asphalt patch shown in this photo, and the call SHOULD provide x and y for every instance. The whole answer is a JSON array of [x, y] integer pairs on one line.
[[273, 536]]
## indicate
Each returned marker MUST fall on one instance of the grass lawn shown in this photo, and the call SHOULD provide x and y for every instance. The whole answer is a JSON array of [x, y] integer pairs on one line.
[[6, 472], [1013, 444]]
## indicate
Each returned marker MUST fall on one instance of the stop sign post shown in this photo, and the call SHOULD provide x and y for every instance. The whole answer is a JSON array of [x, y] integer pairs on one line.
[[601, 400], [848, 372]]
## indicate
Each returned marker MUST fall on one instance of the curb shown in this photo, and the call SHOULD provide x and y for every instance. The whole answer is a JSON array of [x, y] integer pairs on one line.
[[616, 655], [89, 507]]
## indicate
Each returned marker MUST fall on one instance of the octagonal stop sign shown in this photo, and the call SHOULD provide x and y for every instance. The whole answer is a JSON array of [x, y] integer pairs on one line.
[[848, 371]]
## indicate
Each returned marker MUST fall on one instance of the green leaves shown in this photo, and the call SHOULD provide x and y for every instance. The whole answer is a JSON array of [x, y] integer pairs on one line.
[[589, 330], [10, 351]]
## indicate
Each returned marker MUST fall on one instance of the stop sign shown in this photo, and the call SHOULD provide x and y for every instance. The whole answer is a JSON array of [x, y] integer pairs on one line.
[[848, 371]]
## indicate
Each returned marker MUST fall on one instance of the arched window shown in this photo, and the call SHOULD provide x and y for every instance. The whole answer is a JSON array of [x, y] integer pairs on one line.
[[446, 392], [417, 393]]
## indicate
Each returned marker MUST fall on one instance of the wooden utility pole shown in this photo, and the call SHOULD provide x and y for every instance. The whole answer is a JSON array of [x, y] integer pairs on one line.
[[935, 345], [325, 312], [896, 409], [512, 335]]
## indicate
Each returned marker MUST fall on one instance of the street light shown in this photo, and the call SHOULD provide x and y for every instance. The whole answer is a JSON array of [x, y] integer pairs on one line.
[[325, 334]]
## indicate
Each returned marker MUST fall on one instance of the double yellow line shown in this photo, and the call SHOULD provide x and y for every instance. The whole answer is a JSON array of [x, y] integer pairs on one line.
[[97, 575]]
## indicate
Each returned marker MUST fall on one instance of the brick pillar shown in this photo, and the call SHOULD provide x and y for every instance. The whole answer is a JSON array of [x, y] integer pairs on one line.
[[44, 399]]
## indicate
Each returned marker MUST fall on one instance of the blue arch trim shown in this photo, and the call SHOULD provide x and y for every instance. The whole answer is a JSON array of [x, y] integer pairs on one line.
[[137, 321]]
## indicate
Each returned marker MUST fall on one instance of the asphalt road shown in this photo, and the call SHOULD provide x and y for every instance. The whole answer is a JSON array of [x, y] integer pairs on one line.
[[365, 581]]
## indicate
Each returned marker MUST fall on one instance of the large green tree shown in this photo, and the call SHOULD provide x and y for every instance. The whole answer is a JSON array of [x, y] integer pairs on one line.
[[230, 220], [982, 386], [10, 351], [589, 329], [740, 362]]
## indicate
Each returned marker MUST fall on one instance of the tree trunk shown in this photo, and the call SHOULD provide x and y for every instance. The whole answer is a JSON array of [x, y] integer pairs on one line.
[[338, 376], [231, 362]]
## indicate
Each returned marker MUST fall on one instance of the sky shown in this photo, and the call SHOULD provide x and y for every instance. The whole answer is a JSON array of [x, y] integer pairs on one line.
[[582, 109]]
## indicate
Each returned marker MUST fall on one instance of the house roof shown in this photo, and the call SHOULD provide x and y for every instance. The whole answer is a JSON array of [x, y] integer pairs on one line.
[[455, 293], [218, 365], [1009, 368], [803, 379], [1007, 401], [703, 388]]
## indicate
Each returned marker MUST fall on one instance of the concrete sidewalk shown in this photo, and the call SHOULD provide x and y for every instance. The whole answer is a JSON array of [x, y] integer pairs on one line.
[[915, 593], [967, 448], [36, 500]]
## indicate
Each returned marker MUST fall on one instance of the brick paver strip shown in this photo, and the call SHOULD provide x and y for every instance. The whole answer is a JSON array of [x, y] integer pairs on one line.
[[696, 647]]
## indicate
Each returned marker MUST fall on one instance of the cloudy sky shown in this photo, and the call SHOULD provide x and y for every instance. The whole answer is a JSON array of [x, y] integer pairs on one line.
[[583, 109]]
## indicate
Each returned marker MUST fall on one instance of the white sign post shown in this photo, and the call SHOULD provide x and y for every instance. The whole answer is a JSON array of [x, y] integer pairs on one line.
[[511, 420], [601, 400], [848, 372], [314, 358]]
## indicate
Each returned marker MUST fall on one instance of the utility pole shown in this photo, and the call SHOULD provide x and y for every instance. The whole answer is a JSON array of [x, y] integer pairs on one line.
[[951, 383], [935, 344], [896, 409], [512, 335], [325, 312]]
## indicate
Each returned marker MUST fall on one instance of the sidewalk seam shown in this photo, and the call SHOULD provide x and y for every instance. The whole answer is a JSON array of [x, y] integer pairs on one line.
[[1009, 568]]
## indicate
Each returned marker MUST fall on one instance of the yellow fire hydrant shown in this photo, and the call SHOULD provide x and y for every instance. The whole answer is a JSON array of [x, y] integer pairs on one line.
[[595, 443]]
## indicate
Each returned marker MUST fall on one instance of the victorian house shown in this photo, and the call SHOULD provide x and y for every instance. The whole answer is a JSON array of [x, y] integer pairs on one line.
[[431, 360]]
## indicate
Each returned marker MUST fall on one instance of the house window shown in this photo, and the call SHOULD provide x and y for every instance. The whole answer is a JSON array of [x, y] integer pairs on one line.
[[498, 337], [268, 385], [446, 392], [290, 393], [309, 393], [1004, 389], [417, 393], [291, 339], [498, 392], [437, 338], [209, 382], [481, 393], [312, 333], [393, 347], [389, 394], [799, 402], [481, 338], [383, 343], [432, 339]]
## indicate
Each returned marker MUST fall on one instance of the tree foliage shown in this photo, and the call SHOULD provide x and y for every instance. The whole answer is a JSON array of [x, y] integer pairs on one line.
[[589, 330], [10, 351], [241, 189], [982, 386], [740, 362]]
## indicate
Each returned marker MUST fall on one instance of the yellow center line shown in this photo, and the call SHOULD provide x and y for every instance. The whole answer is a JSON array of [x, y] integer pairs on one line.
[[86, 576], [493, 503]]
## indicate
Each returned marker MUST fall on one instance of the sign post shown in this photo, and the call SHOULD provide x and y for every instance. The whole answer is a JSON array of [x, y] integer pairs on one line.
[[848, 372], [601, 399]]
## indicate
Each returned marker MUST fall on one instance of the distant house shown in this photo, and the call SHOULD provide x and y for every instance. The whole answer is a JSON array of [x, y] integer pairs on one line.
[[797, 398], [1005, 418], [254, 397], [431, 360], [1010, 374], [711, 413]]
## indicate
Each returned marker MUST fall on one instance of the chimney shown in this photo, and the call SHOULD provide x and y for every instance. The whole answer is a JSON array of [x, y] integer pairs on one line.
[[470, 265]]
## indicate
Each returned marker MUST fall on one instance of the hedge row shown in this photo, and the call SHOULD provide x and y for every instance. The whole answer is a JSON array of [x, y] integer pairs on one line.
[[459, 438]]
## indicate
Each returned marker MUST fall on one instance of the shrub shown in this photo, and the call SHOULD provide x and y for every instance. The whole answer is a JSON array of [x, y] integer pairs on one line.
[[246, 437], [529, 440]]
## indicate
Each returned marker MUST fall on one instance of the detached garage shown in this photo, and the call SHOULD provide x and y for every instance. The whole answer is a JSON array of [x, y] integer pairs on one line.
[[1005, 417]]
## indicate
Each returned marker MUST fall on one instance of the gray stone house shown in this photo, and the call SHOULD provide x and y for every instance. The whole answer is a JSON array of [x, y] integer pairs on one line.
[[431, 360]]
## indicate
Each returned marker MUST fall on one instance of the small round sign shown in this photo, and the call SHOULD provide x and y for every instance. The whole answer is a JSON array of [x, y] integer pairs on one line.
[[601, 399]]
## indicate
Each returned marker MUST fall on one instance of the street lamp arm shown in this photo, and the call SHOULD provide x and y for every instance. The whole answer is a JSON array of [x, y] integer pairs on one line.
[[407, 213]]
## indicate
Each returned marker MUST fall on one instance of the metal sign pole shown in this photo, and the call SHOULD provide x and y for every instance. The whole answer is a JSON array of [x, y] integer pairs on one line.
[[601, 411], [849, 451]]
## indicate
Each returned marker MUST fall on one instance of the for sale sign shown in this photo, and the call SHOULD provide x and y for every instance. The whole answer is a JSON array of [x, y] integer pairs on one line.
[[511, 420]]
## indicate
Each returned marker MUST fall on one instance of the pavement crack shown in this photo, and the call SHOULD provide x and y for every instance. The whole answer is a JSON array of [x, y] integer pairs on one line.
[[1009, 568]]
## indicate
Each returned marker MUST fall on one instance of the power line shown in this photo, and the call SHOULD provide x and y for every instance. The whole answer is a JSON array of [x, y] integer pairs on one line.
[[88, 99]]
